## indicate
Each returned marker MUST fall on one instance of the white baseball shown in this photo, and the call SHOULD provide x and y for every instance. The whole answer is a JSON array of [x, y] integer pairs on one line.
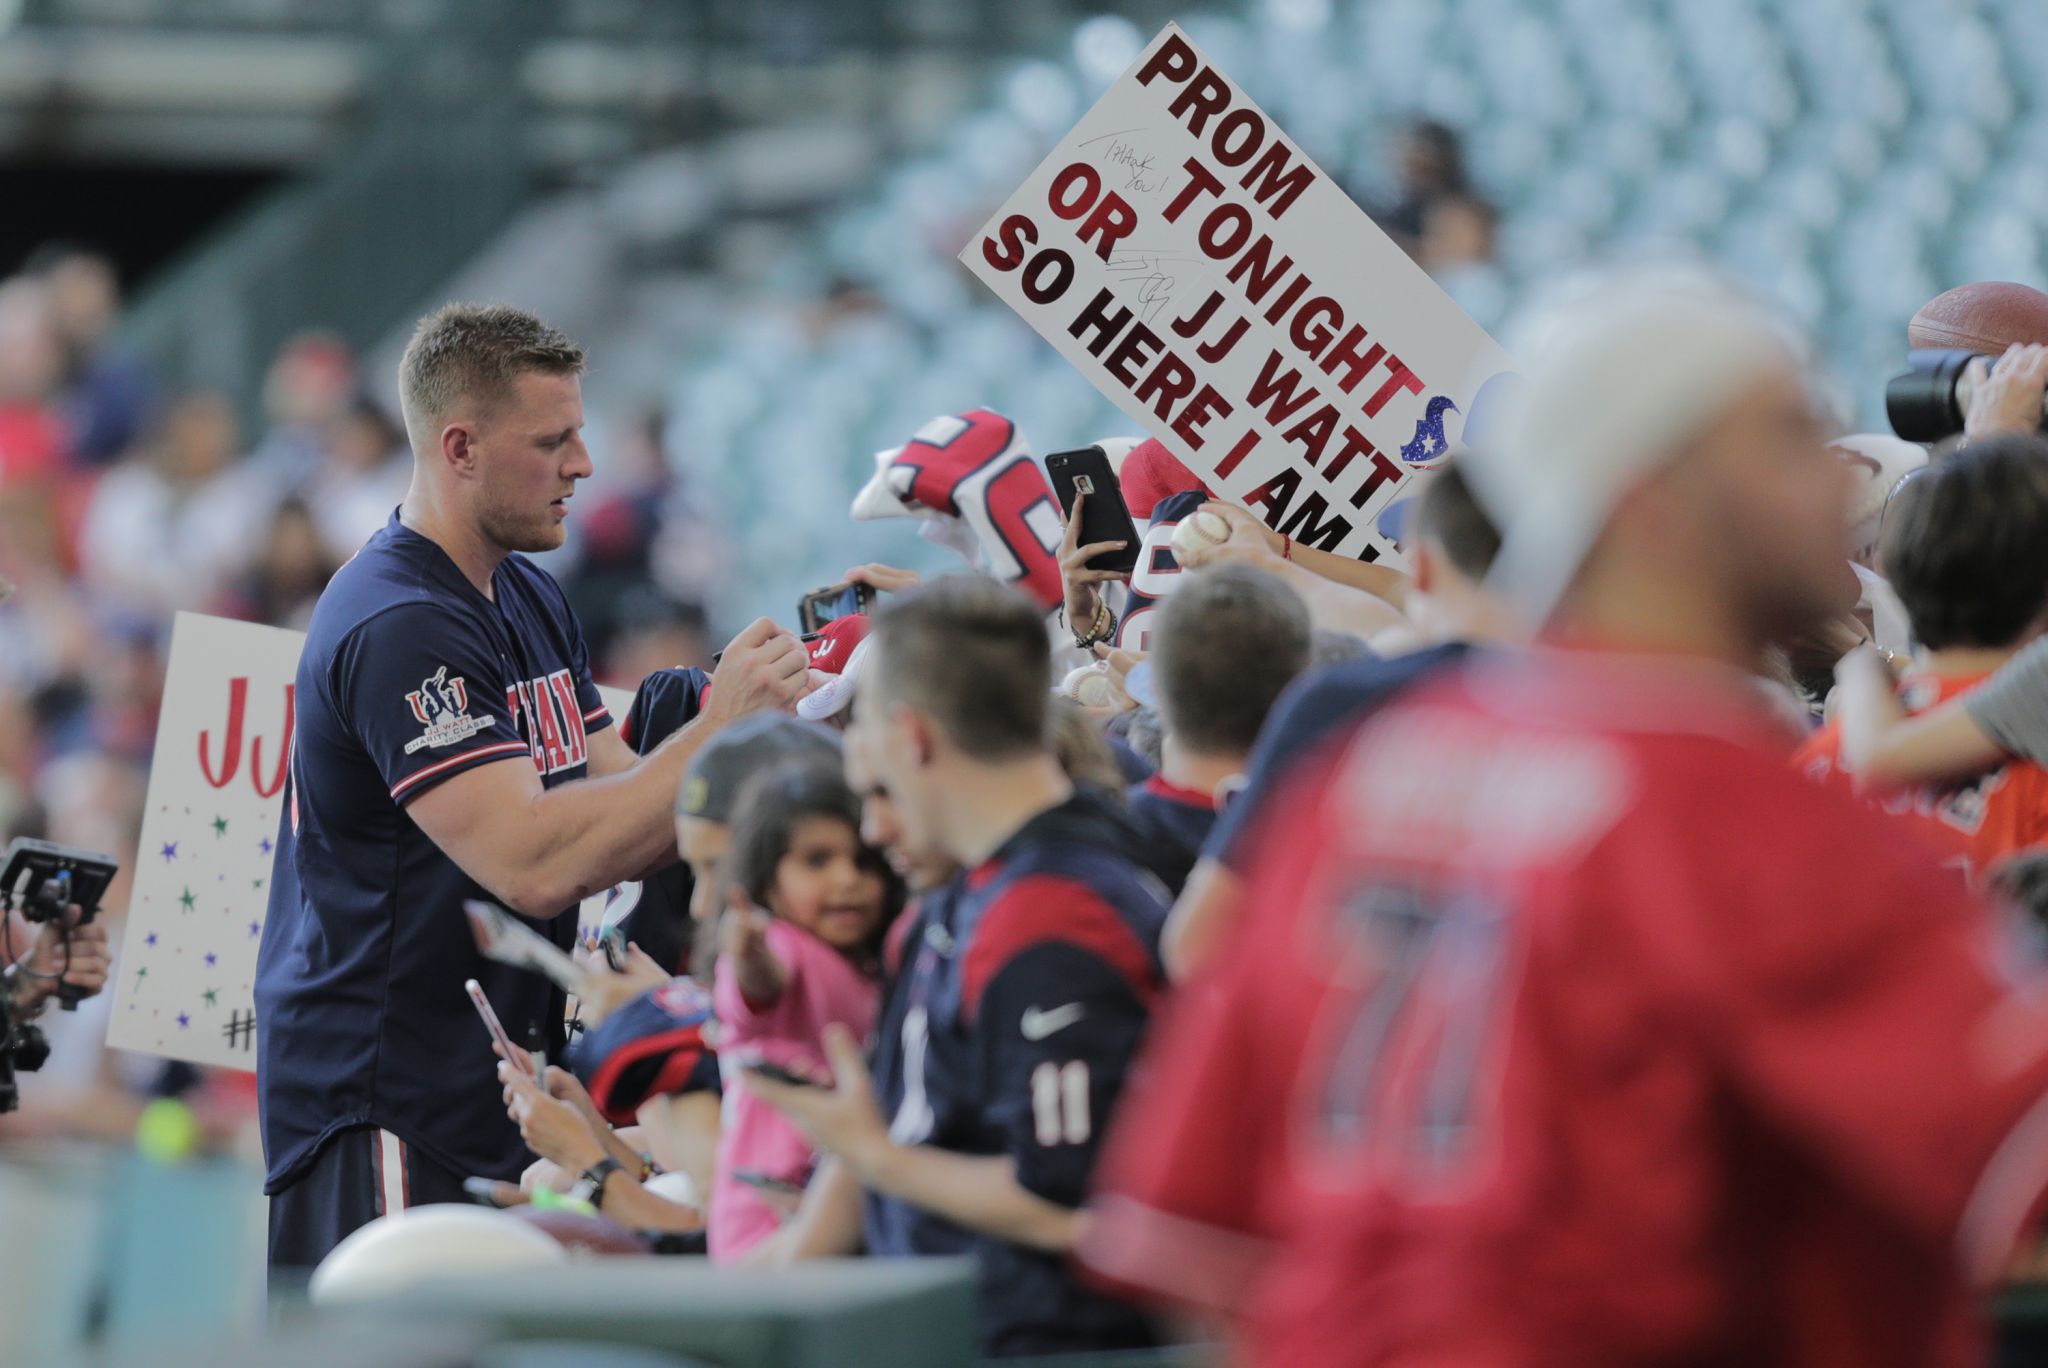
[[1199, 531], [1089, 686]]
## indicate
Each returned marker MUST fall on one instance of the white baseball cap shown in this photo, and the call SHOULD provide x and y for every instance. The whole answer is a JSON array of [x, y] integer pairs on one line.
[[1879, 461], [1612, 388]]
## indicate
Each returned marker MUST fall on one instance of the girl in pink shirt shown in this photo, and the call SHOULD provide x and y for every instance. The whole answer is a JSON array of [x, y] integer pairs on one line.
[[798, 949]]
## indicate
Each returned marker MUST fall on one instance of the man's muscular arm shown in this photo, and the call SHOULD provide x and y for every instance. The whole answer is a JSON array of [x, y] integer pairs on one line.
[[609, 754], [543, 850]]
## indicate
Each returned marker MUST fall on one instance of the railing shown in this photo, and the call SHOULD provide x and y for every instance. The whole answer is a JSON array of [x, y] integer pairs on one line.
[[758, 27], [440, 164], [446, 114]]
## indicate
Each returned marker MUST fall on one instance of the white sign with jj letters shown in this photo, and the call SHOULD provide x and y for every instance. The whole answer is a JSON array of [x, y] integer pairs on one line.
[[185, 978]]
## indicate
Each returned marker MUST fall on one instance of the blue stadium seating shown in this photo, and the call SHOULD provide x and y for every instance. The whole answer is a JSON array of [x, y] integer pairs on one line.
[[1851, 158]]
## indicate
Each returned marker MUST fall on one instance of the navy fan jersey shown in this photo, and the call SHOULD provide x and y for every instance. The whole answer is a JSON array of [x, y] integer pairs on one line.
[[1134, 768], [1023, 990], [1175, 822], [1158, 570], [655, 912], [1313, 709], [409, 677]]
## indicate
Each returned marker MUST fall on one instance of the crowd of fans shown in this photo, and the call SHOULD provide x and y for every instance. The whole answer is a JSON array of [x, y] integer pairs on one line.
[[925, 929], [1031, 826]]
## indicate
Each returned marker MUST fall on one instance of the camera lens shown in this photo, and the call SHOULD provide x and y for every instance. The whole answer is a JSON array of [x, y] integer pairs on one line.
[[1925, 402]]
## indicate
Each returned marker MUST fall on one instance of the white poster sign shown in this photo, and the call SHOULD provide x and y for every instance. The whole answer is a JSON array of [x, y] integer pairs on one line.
[[1224, 292], [185, 978], [183, 982]]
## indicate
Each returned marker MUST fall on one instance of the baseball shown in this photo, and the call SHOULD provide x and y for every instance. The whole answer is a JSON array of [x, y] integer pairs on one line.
[[1089, 686], [1199, 531]]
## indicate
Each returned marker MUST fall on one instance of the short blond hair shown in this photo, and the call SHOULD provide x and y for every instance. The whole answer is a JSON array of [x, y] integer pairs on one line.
[[476, 352]]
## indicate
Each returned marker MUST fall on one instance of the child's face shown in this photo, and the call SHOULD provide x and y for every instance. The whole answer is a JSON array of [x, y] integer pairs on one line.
[[702, 845], [825, 886]]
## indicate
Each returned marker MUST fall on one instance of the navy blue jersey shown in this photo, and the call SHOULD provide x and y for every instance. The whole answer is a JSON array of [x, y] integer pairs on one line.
[[1135, 768], [409, 677], [1024, 989], [919, 954], [1175, 822], [656, 911], [664, 704], [653, 1046], [1157, 573], [1312, 710]]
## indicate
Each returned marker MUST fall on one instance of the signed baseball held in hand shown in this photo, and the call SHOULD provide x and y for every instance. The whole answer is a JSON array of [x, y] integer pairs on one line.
[[1089, 686], [1198, 531]]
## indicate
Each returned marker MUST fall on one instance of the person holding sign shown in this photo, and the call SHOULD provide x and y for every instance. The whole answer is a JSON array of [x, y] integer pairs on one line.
[[436, 655]]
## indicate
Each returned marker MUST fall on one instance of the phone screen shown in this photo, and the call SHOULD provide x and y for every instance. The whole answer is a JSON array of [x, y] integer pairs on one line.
[[777, 1074], [839, 605], [830, 604]]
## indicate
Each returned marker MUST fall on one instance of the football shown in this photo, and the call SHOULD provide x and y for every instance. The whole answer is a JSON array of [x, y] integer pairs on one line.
[[1987, 316], [393, 1252], [582, 1234]]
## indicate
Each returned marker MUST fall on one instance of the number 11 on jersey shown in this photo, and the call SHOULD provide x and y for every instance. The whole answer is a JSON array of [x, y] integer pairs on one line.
[[1059, 1102]]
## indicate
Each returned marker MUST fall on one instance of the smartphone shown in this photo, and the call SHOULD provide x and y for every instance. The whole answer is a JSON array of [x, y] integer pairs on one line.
[[502, 937], [1104, 518], [833, 602], [612, 941], [780, 1187], [493, 1192], [775, 1073], [483, 1009]]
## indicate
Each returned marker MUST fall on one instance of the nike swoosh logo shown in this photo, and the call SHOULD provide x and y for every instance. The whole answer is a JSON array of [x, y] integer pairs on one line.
[[1039, 1024]]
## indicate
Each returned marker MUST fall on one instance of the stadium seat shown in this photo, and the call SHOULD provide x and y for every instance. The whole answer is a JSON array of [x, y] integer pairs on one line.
[[1852, 157]]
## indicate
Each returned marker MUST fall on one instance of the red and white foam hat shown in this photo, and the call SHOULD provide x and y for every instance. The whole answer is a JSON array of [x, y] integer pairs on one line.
[[972, 481], [837, 655]]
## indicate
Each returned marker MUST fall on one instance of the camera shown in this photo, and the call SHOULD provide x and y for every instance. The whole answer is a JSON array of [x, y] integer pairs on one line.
[[1928, 400], [23, 1048], [43, 881]]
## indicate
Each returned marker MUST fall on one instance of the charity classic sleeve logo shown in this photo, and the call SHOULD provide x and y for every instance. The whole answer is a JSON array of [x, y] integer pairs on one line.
[[441, 705]]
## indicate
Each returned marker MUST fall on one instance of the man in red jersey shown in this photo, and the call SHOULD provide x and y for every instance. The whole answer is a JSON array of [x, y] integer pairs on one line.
[[1566, 1023]]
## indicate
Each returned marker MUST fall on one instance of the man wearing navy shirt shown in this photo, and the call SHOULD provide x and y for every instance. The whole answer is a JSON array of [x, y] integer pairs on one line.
[[449, 744], [1224, 646], [1453, 543], [1021, 999], [654, 912]]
